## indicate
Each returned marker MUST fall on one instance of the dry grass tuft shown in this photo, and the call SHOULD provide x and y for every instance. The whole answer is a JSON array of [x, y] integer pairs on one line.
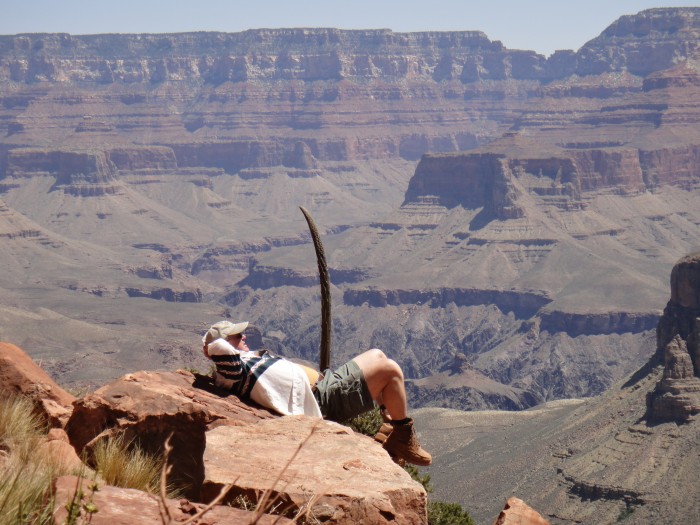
[[124, 464], [25, 475], [20, 428]]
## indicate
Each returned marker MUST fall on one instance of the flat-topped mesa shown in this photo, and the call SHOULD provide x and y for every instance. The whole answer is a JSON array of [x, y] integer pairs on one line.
[[476, 180], [85, 173], [677, 395], [467, 180]]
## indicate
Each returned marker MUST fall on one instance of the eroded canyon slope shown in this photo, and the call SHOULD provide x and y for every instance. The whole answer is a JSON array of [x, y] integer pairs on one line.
[[501, 223], [628, 456]]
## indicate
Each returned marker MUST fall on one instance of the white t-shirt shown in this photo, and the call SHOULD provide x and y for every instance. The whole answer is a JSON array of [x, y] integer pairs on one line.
[[283, 386]]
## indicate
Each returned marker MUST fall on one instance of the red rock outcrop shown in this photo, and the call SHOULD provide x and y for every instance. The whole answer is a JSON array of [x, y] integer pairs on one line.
[[19, 375], [148, 406], [211, 437], [120, 506], [309, 465], [341, 477], [62, 455], [517, 512]]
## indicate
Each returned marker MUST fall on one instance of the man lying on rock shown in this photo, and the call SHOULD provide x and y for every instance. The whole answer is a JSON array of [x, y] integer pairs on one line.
[[290, 388]]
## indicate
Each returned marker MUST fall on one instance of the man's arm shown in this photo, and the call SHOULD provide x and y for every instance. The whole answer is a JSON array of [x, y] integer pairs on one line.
[[226, 358]]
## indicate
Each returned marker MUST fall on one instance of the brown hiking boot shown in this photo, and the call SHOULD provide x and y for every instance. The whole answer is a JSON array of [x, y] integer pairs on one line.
[[381, 437], [383, 433], [402, 443]]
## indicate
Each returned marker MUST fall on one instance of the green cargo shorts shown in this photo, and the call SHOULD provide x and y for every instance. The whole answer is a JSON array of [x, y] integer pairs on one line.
[[343, 394]]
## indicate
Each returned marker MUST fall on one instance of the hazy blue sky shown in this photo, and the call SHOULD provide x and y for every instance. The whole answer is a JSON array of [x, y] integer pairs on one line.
[[541, 25]]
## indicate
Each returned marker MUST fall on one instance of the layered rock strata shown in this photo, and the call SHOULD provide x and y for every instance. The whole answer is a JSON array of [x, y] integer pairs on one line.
[[312, 80]]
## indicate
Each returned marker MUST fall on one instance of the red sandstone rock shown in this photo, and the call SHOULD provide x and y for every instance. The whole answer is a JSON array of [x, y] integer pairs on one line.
[[517, 512], [149, 406], [20, 375], [61, 453], [345, 477], [356, 479], [120, 506]]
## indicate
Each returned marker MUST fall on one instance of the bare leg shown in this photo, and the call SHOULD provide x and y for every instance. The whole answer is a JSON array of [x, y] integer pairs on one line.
[[385, 381]]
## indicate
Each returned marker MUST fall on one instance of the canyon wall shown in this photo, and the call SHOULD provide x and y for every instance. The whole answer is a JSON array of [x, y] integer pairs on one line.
[[474, 200]]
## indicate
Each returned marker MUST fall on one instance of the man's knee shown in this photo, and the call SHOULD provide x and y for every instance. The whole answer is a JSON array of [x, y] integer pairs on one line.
[[396, 369], [374, 359], [375, 363], [387, 365], [377, 354]]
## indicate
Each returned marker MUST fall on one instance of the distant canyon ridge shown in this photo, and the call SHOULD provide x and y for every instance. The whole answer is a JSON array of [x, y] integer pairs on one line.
[[501, 223]]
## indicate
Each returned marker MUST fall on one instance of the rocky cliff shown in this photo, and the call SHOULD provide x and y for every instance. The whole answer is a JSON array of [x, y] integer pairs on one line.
[[185, 420], [557, 230]]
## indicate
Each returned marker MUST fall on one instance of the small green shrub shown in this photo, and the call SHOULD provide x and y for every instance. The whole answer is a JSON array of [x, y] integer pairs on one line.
[[81, 506], [423, 479], [443, 513], [367, 423], [625, 513], [124, 464]]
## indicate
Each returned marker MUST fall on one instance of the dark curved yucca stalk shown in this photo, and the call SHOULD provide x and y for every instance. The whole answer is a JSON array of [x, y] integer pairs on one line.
[[324, 361]]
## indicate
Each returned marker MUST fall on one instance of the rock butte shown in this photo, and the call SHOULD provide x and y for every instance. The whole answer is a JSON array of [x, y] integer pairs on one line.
[[629, 454]]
